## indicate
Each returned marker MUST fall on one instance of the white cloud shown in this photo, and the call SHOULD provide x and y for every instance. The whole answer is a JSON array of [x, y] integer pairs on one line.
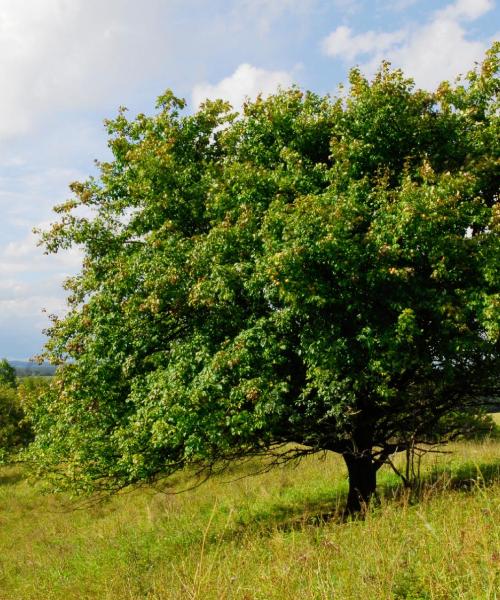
[[438, 52], [30, 289], [246, 81], [347, 6], [266, 12], [71, 54], [343, 43], [25, 256], [431, 53], [12, 161], [33, 306], [10, 289], [466, 9], [398, 5], [27, 195]]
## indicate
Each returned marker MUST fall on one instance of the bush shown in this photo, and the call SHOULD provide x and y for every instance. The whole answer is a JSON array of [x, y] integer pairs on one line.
[[15, 429]]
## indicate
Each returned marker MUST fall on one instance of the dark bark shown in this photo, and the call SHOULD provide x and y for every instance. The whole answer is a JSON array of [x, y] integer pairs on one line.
[[362, 473]]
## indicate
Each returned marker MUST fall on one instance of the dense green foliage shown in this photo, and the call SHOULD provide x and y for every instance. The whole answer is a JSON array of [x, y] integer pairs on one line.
[[316, 271], [7, 374], [15, 431]]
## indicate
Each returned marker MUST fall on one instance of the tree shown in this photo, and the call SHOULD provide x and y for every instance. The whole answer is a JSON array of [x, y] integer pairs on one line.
[[15, 430], [314, 274], [7, 374]]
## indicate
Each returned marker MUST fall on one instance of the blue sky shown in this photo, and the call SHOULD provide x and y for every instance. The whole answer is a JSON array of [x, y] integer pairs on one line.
[[65, 65]]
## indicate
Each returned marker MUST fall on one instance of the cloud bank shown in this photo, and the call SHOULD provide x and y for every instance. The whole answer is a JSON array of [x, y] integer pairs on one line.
[[72, 54], [430, 53]]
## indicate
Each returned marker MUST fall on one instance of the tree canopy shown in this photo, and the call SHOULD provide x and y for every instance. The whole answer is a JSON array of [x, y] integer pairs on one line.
[[312, 274], [7, 374]]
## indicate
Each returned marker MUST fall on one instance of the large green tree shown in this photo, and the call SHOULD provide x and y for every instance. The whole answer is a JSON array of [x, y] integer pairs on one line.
[[313, 274]]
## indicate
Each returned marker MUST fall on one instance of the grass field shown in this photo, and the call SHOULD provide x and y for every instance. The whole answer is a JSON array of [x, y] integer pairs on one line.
[[264, 537]]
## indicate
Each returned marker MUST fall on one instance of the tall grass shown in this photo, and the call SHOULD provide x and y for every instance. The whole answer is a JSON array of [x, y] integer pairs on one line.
[[273, 536]]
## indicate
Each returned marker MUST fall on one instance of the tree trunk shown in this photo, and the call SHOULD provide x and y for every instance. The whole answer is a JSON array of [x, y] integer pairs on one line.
[[362, 481]]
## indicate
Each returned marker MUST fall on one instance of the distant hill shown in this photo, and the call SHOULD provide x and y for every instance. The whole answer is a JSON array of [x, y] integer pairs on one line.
[[25, 368]]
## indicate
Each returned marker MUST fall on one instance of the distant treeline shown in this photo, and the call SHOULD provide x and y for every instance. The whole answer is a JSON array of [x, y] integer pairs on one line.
[[28, 369]]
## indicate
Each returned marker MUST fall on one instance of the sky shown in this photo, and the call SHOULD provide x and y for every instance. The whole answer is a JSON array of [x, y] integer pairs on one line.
[[66, 65]]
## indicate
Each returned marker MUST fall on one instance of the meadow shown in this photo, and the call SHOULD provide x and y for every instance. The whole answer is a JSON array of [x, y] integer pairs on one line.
[[270, 536]]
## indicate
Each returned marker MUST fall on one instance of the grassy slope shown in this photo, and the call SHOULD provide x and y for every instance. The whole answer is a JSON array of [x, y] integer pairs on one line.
[[261, 538]]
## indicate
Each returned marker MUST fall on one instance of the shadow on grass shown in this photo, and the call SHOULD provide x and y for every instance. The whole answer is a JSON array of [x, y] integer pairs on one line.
[[289, 517], [10, 478], [466, 477], [310, 512]]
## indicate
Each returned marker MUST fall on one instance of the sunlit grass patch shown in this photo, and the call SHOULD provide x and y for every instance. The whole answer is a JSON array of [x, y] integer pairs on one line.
[[275, 535]]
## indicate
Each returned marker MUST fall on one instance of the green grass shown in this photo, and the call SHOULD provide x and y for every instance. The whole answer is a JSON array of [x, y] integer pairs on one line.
[[278, 535]]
